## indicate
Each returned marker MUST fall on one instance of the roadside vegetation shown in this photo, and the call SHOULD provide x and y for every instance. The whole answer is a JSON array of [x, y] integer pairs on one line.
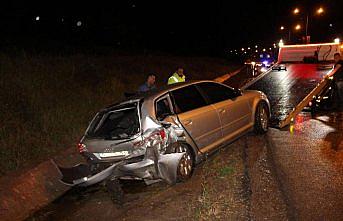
[[48, 100], [222, 193]]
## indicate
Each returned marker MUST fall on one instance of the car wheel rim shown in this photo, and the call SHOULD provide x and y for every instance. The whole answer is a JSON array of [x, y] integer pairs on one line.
[[186, 163], [264, 118]]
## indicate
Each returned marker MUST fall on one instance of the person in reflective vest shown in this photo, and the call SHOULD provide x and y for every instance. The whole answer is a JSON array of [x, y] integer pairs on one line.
[[177, 77]]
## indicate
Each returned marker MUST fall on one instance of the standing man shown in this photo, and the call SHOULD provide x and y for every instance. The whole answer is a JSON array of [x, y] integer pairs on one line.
[[337, 73], [177, 77], [149, 84]]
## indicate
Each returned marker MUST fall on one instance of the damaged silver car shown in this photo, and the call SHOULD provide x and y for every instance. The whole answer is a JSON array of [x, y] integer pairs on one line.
[[162, 134]]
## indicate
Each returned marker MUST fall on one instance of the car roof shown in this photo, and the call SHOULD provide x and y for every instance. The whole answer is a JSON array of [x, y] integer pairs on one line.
[[164, 89], [152, 94]]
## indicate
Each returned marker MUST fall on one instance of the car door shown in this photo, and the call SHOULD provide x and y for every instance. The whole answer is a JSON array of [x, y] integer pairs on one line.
[[233, 110], [199, 119], [163, 107]]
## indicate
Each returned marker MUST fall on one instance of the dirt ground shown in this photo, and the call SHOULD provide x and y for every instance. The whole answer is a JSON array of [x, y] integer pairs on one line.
[[236, 183]]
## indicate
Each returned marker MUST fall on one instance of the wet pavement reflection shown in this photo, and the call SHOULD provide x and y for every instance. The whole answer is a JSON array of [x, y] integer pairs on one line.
[[308, 156], [285, 89]]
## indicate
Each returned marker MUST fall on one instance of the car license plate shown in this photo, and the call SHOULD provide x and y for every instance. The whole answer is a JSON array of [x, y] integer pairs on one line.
[[114, 154]]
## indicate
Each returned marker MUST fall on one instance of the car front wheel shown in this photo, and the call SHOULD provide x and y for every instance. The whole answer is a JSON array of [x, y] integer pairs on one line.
[[261, 118]]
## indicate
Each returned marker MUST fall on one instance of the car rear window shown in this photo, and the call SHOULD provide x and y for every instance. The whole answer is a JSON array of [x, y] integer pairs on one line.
[[118, 123]]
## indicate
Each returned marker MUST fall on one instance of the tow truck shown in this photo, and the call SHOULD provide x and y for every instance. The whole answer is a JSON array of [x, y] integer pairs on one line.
[[302, 84]]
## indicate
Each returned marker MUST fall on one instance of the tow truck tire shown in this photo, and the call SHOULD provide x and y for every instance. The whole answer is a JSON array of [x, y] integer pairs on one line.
[[261, 118], [186, 164]]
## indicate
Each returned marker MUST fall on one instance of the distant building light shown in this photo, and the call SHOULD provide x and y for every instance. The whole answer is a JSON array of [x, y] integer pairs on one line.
[[37, 18], [256, 46], [242, 49], [264, 49], [337, 40], [78, 24], [281, 43], [270, 49], [248, 48], [330, 25], [62, 19], [256, 51]]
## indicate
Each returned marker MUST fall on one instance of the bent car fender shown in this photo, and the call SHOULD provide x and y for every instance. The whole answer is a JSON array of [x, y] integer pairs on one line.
[[167, 166], [81, 175]]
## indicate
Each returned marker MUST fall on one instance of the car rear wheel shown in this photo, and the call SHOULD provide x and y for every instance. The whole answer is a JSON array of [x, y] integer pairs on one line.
[[261, 118], [186, 165]]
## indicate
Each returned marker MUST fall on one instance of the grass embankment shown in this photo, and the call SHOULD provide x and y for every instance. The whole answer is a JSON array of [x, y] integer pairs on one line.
[[48, 100]]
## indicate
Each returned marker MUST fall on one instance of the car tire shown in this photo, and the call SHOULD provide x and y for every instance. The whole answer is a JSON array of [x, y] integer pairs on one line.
[[115, 191], [186, 164], [261, 118]]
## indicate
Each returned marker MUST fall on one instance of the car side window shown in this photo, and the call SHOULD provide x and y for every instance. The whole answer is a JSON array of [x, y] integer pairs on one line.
[[217, 92], [187, 98], [163, 108]]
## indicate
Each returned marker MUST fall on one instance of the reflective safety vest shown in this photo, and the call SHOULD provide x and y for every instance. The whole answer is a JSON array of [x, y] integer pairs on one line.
[[175, 78]]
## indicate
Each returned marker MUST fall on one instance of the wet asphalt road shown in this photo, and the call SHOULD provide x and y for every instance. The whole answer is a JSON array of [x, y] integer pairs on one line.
[[308, 160], [285, 89]]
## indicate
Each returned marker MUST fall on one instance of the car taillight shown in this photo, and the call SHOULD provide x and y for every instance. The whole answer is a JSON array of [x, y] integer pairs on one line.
[[81, 147], [153, 136], [162, 134]]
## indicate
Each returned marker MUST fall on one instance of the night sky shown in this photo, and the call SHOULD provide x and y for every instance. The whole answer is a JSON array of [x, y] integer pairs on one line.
[[199, 26]]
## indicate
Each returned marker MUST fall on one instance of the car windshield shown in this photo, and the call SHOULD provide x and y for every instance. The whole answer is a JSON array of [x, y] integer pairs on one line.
[[118, 123]]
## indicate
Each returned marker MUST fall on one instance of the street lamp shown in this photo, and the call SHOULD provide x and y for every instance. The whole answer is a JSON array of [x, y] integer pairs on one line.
[[296, 11], [282, 28], [319, 11], [297, 27]]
